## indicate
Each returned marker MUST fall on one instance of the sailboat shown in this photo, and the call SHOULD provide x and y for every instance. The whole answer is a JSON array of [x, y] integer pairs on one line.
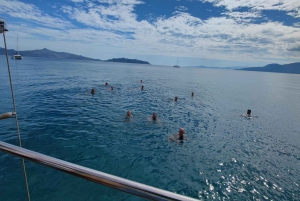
[[176, 66], [17, 56]]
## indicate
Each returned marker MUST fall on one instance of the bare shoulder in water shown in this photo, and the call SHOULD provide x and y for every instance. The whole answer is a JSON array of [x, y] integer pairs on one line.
[[153, 118], [179, 137], [128, 115], [248, 115]]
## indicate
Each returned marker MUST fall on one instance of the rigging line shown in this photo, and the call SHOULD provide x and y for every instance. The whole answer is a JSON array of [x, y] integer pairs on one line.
[[16, 116]]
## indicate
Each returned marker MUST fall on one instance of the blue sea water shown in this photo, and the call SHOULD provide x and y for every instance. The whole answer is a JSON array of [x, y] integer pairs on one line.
[[227, 156]]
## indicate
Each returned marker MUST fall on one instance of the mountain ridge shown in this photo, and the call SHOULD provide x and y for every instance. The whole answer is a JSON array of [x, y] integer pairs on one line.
[[46, 53], [293, 68]]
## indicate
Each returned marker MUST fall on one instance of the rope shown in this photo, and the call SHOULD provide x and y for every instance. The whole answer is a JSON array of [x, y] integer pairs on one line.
[[15, 110]]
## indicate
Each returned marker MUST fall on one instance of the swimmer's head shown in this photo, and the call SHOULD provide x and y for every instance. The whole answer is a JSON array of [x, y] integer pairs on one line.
[[93, 91], [181, 132], [248, 112], [154, 116], [106, 83], [176, 98], [142, 87], [141, 81], [128, 113], [112, 88], [192, 93]]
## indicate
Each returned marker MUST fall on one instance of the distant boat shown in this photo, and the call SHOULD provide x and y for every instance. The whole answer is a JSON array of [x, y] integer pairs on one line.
[[176, 66], [17, 56]]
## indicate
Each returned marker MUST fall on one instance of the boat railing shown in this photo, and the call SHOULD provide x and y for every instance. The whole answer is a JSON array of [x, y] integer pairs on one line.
[[109, 180]]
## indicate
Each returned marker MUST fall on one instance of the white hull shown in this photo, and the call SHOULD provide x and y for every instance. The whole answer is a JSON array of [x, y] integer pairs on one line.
[[17, 57]]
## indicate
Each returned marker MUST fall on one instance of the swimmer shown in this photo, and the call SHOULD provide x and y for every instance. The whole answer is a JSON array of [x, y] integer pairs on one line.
[[93, 91], [106, 84], [154, 116], [141, 81], [192, 94], [179, 136], [176, 98], [248, 113], [111, 88], [142, 88], [128, 115]]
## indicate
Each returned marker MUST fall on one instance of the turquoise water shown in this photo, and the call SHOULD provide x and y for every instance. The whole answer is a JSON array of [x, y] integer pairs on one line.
[[227, 157]]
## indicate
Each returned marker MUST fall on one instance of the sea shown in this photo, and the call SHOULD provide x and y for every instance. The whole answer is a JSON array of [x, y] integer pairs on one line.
[[226, 156]]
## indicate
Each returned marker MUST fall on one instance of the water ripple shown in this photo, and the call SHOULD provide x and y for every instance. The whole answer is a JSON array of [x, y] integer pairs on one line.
[[227, 157]]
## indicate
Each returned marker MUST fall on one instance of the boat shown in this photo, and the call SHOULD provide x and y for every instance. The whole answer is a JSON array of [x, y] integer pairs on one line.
[[17, 56], [176, 66]]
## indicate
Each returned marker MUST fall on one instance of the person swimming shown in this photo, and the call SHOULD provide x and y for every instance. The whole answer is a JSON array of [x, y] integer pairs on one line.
[[106, 84], [180, 136], [141, 81], [142, 88], [154, 116], [176, 98], [128, 114], [192, 94], [248, 115], [111, 88], [93, 91]]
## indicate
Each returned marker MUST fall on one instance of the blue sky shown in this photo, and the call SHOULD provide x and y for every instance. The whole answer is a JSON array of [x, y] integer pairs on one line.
[[214, 33]]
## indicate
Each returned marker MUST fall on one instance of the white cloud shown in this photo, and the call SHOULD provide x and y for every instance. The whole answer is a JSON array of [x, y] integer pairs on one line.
[[243, 17], [17, 9], [287, 5], [128, 2], [243, 14], [113, 29], [77, 1], [295, 14], [181, 8], [220, 38], [118, 16]]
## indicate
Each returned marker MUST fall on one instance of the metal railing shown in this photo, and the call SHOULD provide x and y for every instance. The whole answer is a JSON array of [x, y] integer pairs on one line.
[[119, 183]]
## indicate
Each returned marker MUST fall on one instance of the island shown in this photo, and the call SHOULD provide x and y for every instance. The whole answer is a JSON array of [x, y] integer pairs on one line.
[[293, 68], [125, 60], [46, 53]]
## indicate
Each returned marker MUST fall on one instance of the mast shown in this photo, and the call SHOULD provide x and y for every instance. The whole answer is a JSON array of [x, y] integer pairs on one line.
[[17, 44]]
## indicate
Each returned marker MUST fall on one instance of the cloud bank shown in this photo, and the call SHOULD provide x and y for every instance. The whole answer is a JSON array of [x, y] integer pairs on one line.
[[112, 27]]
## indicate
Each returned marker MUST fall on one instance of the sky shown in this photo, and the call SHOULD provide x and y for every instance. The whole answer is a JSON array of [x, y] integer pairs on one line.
[[214, 33]]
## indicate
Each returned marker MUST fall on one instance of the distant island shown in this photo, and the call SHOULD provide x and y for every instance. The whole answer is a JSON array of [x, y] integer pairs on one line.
[[293, 68], [46, 53], [124, 60]]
